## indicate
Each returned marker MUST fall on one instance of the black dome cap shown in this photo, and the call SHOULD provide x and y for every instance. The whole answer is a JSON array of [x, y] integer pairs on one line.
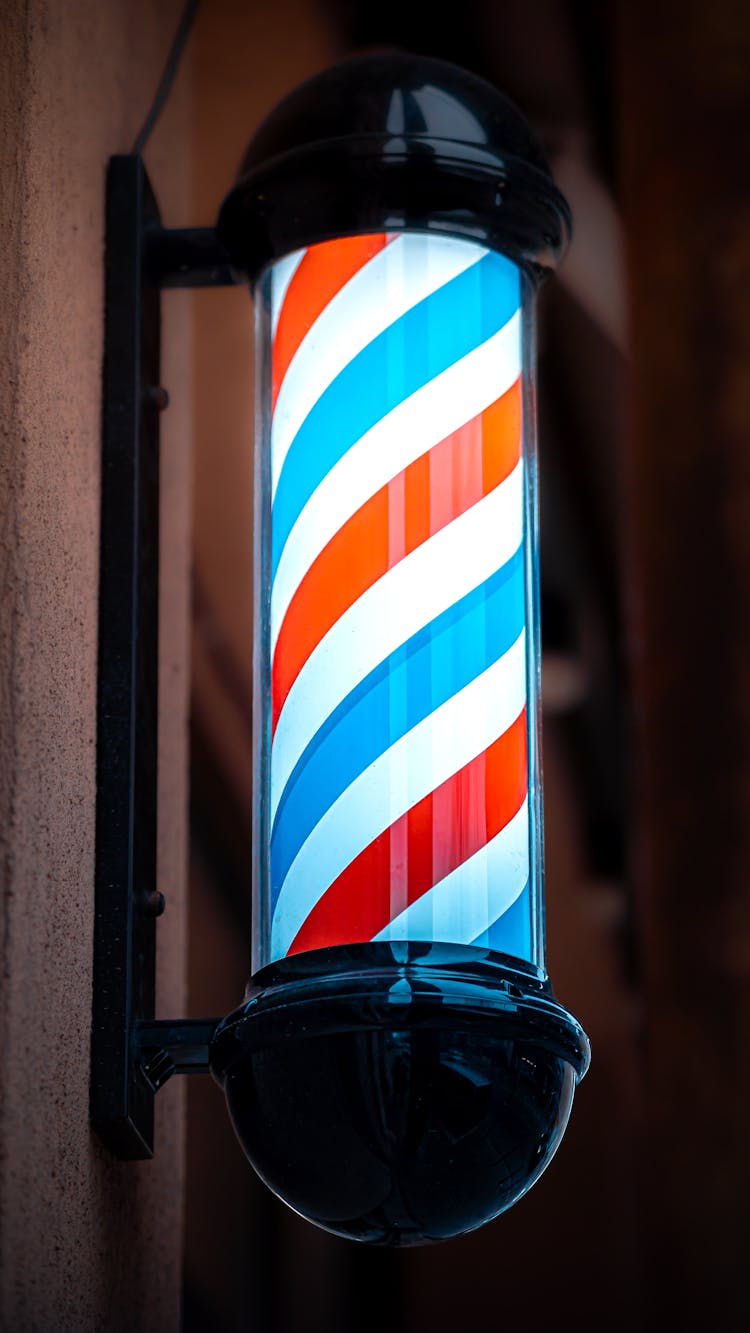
[[399, 1094], [391, 141]]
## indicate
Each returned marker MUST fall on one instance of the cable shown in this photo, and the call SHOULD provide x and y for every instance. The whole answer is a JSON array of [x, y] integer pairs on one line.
[[167, 78]]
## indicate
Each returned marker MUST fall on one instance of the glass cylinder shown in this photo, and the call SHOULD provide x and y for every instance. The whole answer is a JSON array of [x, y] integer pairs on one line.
[[397, 765]]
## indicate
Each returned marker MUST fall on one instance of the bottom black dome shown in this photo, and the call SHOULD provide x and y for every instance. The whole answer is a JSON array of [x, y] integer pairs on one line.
[[399, 1093]]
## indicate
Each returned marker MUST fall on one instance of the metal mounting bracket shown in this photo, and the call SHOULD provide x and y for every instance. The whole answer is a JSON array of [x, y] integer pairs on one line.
[[141, 257]]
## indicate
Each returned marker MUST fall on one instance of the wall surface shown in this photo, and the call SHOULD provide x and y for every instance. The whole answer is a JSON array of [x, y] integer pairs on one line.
[[686, 100], [85, 1242]]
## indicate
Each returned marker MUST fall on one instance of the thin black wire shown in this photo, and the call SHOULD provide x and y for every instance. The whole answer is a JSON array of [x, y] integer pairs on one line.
[[167, 78]]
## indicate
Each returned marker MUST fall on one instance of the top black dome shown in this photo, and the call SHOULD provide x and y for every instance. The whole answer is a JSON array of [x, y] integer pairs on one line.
[[390, 141]]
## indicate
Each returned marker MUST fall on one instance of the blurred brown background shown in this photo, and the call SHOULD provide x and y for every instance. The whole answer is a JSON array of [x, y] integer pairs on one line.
[[644, 109], [645, 447]]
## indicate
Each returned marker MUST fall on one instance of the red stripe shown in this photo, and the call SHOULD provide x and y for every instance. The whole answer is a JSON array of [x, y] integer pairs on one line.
[[325, 269], [432, 491], [426, 844]]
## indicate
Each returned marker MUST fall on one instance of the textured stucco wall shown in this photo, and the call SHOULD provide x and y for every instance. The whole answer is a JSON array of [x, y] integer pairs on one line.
[[85, 1242]]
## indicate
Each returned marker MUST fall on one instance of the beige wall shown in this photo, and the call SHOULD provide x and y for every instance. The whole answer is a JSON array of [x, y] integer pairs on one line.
[[85, 1242]]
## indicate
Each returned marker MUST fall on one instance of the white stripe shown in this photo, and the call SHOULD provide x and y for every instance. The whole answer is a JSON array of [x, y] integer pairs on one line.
[[281, 275], [398, 277], [412, 593], [471, 898], [460, 729], [456, 396]]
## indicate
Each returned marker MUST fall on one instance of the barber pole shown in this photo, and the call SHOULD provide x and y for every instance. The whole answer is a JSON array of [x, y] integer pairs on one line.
[[400, 1071], [400, 596]]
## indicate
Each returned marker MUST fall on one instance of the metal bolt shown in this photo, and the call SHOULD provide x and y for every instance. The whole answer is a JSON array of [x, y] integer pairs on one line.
[[156, 903], [155, 396]]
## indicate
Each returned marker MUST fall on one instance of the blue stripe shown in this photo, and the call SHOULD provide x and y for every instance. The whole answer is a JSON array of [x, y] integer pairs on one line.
[[429, 338], [511, 933], [406, 687]]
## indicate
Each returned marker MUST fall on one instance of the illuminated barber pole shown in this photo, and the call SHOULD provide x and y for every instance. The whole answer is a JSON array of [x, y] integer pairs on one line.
[[400, 1070], [399, 803]]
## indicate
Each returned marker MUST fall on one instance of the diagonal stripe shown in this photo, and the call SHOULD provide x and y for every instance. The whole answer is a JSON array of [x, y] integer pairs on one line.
[[439, 836], [281, 275], [464, 726], [325, 269], [400, 276], [438, 573], [478, 891], [460, 393], [448, 324], [431, 492], [510, 931], [403, 690]]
